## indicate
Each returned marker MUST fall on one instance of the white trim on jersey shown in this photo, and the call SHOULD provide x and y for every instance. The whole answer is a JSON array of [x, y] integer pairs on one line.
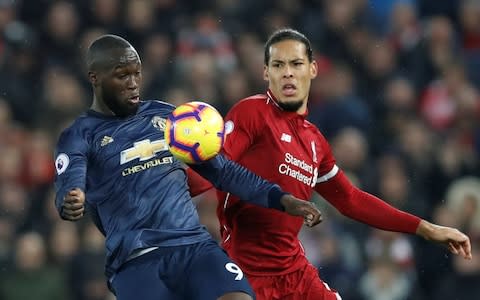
[[228, 236], [226, 202], [329, 175], [224, 209], [337, 295]]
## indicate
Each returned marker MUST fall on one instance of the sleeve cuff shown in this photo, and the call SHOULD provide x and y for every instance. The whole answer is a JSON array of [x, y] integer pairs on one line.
[[274, 196]]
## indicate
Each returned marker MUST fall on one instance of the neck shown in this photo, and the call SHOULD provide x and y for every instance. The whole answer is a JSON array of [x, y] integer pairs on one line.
[[303, 109], [100, 107]]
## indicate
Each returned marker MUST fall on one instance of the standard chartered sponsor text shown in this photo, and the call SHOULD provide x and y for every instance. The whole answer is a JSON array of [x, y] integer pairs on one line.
[[286, 169]]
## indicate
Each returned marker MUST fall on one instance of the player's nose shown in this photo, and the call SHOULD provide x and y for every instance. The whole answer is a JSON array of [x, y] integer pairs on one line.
[[132, 82], [287, 72]]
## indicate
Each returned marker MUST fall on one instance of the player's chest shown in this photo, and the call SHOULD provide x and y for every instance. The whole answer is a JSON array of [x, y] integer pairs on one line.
[[134, 141], [290, 140]]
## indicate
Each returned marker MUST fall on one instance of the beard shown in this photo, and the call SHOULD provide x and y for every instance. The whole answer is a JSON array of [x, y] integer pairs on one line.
[[292, 106], [116, 106]]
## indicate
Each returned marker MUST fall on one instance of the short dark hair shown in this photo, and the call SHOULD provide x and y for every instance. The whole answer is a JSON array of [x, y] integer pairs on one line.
[[287, 34], [102, 45]]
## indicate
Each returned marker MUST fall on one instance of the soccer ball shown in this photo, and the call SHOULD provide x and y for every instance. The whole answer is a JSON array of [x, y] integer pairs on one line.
[[194, 132]]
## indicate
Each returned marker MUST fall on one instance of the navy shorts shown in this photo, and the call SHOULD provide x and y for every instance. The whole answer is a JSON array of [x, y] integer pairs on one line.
[[201, 271]]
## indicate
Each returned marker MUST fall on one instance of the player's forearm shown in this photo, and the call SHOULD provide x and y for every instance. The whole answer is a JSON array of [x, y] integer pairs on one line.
[[424, 229], [377, 213], [364, 207], [228, 176]]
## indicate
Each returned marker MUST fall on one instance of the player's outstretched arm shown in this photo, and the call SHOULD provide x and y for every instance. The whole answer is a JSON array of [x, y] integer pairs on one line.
[[229, 176], [73, 206], [456, 241]]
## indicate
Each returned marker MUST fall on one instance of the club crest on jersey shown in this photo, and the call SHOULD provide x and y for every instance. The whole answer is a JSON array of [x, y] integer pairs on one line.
[[61, 163], [229, 127], [159, 123]]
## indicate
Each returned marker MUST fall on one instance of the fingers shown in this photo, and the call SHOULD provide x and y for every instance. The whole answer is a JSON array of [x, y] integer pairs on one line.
[[312, 215], [460, 245], [467, 248], [452, 247], [73, 211], [73, 205], [297, 207], [462, 248]]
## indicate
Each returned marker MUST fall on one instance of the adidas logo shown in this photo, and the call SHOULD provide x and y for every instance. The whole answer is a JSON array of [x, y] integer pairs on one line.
[[106, 140]]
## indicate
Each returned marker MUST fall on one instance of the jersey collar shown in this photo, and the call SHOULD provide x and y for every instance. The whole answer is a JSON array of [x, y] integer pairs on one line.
[[271, 98]]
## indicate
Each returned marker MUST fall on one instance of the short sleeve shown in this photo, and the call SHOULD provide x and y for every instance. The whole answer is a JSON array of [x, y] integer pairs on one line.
[[242, 126]]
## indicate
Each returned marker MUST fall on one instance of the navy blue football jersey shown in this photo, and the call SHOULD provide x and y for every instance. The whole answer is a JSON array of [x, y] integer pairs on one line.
[[136, 191]]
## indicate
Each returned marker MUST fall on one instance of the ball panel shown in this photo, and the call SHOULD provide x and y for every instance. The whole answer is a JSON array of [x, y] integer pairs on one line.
[[195, 132]]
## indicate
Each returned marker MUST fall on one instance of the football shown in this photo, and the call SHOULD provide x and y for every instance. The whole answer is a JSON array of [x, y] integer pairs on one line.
[[194, 132]]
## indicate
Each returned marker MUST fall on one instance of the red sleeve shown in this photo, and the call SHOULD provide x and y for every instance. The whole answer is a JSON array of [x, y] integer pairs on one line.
[[197, 183], [242, 124], [364, 207]]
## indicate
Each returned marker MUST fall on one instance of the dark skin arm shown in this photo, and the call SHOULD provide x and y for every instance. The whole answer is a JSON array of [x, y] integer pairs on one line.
[[74, 207], [296, 207]]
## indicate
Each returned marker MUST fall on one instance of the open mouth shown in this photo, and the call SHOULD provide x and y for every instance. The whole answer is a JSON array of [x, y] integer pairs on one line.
[[134, 99], [289, 89]]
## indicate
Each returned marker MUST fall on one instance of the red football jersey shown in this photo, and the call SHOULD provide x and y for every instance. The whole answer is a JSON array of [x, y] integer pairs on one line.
[[282, 147]]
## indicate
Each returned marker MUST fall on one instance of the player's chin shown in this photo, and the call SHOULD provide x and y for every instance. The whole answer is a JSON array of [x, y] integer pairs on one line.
[[129, 109], [290, 104]]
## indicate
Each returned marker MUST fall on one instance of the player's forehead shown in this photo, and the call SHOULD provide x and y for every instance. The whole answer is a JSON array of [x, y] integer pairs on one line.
[[286, 50], [117, 57]]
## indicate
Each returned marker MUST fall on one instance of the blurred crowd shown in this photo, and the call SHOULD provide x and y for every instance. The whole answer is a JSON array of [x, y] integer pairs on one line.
[[398, 97]]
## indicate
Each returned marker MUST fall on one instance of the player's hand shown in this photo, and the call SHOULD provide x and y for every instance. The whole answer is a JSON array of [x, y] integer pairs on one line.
[[296, 207], [456, 241], [73, 205]]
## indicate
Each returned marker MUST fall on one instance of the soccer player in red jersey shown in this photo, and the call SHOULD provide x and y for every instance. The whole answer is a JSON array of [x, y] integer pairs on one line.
[[269, 135]]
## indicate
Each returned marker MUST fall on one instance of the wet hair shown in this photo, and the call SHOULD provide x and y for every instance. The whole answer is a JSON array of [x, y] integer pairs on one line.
[[98, 53], [287, 34]]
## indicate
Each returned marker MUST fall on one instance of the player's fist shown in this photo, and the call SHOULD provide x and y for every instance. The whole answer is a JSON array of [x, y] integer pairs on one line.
[[296, 207], [73, 206]]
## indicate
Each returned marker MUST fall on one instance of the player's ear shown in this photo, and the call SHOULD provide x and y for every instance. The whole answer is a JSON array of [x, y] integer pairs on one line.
[[313, 69], [93, 78], [265, 72]]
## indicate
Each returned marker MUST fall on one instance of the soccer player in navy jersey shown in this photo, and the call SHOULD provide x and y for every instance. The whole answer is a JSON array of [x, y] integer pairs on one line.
[[269, 134], [114, 164]]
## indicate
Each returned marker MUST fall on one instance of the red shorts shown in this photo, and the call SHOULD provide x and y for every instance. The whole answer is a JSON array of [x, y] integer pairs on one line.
[[303, 284]]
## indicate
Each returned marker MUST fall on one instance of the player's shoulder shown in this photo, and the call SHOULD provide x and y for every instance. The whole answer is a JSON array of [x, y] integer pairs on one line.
[[81, 123], [311, 126], [80, 128], [155, 105], [258, 102], [315, 131]]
